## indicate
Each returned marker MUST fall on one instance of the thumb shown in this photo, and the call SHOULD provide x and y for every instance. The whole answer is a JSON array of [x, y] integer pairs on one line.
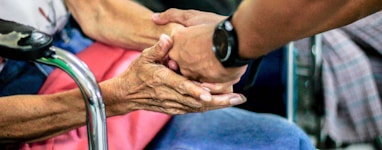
[[170, 15], [219, 87], [159, 19], [160, 50]]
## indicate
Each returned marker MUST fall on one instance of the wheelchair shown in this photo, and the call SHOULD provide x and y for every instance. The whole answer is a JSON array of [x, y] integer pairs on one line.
[[25, 43]]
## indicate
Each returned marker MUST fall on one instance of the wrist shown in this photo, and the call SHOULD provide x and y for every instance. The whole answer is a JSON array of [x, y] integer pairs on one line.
[[226, 45], [113, 97]]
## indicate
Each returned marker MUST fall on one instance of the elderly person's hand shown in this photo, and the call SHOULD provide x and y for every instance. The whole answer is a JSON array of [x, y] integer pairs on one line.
[[149, 85]]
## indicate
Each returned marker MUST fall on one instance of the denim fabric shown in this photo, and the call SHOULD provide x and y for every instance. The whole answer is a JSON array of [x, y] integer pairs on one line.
[[20, 77], [72, 40], [230, 128]]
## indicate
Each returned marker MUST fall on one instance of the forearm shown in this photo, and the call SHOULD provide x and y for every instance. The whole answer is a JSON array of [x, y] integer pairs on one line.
[[121, 23], [266, 25], [27, 118]]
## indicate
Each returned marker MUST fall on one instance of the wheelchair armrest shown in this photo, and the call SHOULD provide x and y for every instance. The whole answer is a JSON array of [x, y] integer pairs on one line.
[[22, 42]]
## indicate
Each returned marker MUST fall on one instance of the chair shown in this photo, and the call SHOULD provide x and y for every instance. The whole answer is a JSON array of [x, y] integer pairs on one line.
[[304, 87], [310, 95], [25, 43]]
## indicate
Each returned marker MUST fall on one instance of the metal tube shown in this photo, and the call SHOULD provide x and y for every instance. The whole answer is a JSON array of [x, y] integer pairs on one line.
[[84, 78], [290, 83], [317, 54]]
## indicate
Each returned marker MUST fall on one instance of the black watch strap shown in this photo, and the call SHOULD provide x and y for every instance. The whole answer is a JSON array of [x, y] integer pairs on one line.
[[232, 58]]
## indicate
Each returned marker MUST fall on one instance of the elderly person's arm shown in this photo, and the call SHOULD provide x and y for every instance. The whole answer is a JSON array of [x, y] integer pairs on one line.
[[121, 23], [145, 85]]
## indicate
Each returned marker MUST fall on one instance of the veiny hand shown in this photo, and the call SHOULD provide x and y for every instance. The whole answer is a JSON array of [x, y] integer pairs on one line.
[[149, 85], [192, 50]]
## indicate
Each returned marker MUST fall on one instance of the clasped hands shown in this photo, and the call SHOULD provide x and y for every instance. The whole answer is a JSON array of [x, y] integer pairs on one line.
[[204, 84], [192, 50]]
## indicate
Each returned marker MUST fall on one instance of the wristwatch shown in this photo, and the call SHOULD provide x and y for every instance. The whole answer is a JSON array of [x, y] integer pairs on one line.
[[226, 45]]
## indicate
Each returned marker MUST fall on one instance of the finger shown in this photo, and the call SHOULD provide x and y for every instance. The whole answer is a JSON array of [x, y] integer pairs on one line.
[[219, 87], [170, 15], [169, 111], [168, 108], [159, 51], [223, 101], [162, 103], [182, 85], [158, 19], [173, 65], [169, 94], [183, 17], [229, 99], [190, 74]]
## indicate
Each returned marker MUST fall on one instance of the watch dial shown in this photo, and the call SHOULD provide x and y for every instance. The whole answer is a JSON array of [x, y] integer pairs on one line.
[[221, 46]]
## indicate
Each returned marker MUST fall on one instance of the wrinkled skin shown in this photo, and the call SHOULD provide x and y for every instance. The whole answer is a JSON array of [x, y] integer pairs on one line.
[[149, 85], [146, 84]]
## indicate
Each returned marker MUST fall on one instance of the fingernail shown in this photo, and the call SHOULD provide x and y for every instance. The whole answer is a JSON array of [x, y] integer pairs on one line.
[[155, 16], [207, 89], [163, 38], [160, 42], [205, 97], [236, 101]]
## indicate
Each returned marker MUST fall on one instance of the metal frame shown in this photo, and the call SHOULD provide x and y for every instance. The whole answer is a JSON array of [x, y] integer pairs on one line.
[[95, 115]]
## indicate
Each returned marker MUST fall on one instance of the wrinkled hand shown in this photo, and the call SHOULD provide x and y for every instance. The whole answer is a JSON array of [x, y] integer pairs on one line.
[[149, 85], [192, 50]]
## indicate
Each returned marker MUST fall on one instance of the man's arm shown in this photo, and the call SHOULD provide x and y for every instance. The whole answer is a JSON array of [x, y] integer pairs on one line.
[[261, 26], [121, 23], [145, 85]]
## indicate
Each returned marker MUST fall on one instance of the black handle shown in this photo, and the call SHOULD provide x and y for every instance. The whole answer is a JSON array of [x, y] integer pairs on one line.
[[22, 42]]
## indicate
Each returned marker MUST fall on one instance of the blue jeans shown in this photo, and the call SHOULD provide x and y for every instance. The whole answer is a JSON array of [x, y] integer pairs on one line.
[[20, 77], [230, 128]]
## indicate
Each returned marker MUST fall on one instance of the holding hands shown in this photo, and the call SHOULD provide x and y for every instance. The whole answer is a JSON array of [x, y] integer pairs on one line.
[[192, 50], [149, 85]]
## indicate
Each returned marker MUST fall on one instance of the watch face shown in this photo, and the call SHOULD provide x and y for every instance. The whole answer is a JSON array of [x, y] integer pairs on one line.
[[225, 45], [221, 48]]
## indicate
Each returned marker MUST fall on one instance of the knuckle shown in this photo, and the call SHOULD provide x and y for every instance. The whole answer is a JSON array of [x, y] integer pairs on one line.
[[157, 77], [188, 15], [182, 88]]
